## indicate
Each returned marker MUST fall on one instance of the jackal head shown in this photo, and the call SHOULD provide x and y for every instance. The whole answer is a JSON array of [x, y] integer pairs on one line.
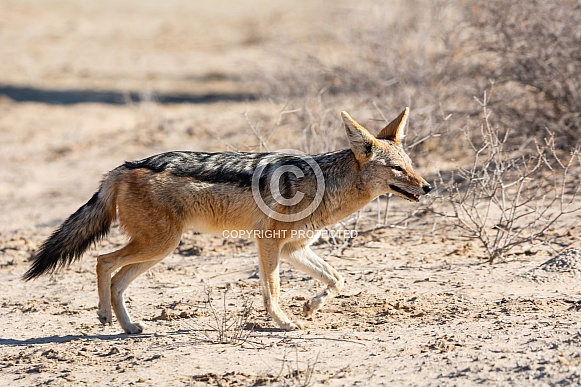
[[384, 165]]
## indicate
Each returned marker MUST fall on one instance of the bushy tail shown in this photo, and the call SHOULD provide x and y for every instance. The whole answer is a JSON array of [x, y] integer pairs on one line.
[[86, 226]]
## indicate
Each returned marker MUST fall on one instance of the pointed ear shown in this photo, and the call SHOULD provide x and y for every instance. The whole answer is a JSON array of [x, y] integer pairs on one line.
[[361, 140], [394, 131]]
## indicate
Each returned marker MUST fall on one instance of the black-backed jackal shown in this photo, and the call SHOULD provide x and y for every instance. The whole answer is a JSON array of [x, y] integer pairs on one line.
[[274, 194]]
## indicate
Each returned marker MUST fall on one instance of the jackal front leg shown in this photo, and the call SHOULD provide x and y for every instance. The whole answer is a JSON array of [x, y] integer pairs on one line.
[[268, 251], [304, 259]]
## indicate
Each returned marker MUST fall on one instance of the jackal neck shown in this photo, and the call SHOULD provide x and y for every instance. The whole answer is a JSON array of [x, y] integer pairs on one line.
[[345, 190]]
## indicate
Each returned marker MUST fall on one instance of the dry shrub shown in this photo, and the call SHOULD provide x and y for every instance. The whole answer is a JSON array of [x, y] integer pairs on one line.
[[507, 199], [434, 56], [532, 50]]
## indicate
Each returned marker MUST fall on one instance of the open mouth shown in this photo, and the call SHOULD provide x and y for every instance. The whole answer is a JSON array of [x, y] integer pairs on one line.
[[409, 196]]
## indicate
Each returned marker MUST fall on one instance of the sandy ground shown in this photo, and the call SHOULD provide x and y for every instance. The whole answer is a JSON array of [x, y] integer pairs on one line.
[[417, 309]]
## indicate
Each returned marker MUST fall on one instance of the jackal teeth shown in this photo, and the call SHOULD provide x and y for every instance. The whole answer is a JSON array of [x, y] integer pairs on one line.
[[407, 195]]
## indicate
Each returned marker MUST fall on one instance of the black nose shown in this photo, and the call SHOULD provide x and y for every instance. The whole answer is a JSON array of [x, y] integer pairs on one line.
[[427, 188]]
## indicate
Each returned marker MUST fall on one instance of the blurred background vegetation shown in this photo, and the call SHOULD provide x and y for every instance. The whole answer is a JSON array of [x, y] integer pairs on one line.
[[437, 57]]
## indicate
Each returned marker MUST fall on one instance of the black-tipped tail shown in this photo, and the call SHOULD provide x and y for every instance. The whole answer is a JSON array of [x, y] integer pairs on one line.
[[86, 226]]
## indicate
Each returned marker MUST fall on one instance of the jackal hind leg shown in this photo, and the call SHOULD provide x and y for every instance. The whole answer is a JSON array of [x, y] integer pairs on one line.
[[268, 251], [106, 266], [132, 260], [119, 284], [304, 259]]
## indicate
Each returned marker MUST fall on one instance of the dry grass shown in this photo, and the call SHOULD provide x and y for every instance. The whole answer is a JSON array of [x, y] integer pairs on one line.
[[228, 324]]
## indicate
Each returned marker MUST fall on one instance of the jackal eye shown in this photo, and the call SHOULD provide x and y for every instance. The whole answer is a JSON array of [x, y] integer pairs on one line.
[[397, 168]]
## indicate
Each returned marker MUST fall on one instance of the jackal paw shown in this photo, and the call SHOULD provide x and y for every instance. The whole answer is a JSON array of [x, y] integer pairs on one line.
[[134, 329], [104, 317], [310, 307], [292, 326]]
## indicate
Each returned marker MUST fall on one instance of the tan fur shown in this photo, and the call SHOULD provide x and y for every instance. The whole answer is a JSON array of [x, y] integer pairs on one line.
[[155, 207]]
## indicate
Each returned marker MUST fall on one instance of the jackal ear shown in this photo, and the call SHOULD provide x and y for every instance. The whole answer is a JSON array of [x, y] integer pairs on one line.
[[361, 140], [394, 131]]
